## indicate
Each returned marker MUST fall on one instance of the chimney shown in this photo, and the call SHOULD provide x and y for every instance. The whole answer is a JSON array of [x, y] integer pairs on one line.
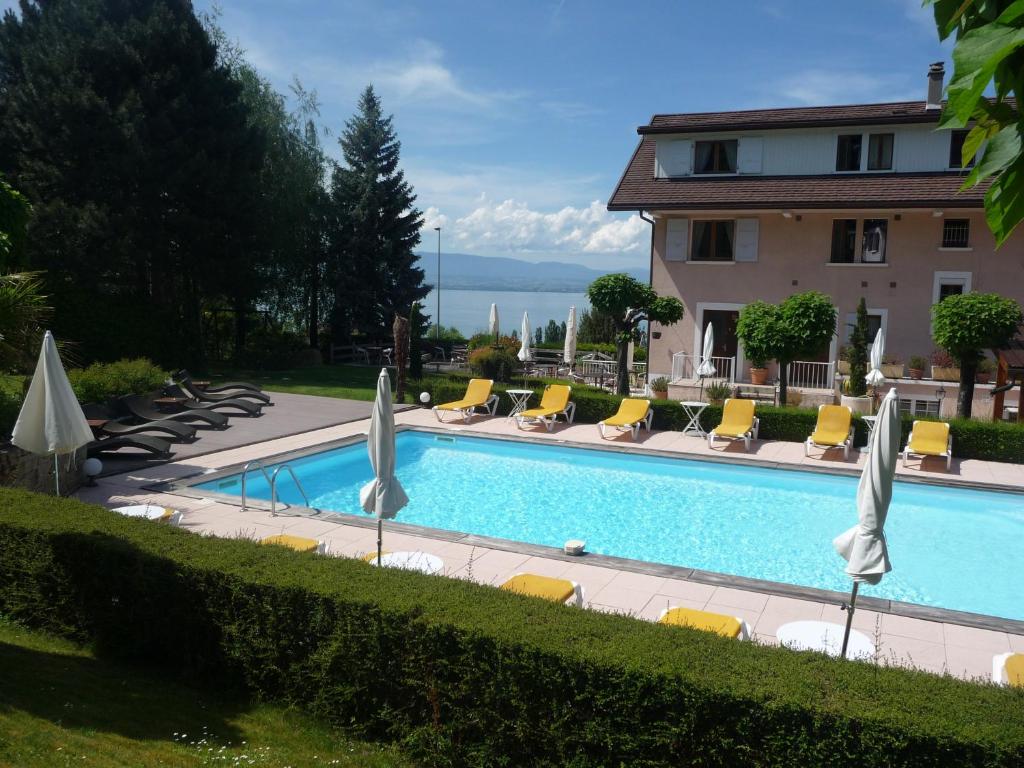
[[936, 73]]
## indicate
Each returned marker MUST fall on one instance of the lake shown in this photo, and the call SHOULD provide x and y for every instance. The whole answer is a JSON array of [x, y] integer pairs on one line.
[[469, 310]]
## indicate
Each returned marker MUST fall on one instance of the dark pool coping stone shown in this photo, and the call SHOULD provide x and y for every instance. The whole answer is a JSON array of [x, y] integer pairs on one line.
[[185, 487]]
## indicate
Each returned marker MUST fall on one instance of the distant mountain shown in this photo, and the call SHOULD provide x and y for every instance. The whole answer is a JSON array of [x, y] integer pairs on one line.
[[497, 273]]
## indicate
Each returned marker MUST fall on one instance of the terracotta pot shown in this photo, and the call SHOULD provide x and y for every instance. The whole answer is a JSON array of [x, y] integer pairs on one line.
[[916, 373], [982, 377], [758, 375], [660, 395]]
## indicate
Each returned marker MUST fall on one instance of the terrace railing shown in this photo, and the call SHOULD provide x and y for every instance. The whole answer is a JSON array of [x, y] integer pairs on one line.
[[811, 375], [684, 368]]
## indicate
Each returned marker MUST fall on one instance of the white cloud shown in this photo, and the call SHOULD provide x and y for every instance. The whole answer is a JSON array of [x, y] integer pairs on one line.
[[825, 86], [432, 217]]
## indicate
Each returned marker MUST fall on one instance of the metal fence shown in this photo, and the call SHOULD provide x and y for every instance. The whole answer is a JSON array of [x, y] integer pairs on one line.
[[810, 375], [684, 368]]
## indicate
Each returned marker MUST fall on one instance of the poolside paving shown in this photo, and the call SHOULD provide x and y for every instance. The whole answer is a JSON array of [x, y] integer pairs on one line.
[[930, 645]]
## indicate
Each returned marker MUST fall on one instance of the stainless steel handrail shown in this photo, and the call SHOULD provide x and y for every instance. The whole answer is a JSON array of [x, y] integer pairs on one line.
[[249, 465], [273, 488]]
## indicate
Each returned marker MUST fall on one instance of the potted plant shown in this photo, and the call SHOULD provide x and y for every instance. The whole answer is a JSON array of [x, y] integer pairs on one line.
[[855, 387], [944, 367], [659, 387], [917, 365], [717, 393], [757, 333], [842, 365], [892, 368], [758, 372], [985, 370]]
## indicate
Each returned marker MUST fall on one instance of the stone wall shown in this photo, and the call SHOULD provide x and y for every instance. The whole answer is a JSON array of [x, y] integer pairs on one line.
[[21, 469]]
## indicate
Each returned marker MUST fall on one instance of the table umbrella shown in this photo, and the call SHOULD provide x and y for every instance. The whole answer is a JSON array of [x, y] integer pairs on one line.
[[383, 496], [525, 354], [863, 546], [569, 350], [875, 376], [51, 420], [492, 324], [706, 367]]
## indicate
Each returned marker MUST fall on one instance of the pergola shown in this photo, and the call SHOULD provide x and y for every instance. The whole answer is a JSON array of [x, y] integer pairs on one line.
[[1009, 374]]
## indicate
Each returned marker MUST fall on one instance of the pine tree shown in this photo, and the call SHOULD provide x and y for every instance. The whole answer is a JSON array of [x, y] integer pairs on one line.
[[375, 227]]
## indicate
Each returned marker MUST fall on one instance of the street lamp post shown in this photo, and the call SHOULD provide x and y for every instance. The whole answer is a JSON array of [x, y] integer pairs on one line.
[[437, 319]]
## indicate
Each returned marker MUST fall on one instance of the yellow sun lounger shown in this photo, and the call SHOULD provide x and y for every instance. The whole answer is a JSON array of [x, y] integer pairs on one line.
[[632, 415], [719, 623], [738, 422], [298, 543], [553, 404], [545, 587], [478, 395], [929, 438], [1008, 669], [833, 430]]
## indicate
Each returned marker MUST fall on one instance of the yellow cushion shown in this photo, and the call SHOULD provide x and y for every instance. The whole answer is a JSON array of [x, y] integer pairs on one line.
[[477, 393], [737, 418], [556, 397], [929, 438], [557, 590], [298, 543], [631, 411], [371, 556], [728, 626], [833, 427], [167, 515], [1015, 670]]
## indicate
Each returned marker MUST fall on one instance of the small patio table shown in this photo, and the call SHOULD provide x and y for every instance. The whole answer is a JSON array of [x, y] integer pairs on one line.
[[150, 512], [693, 409], [423, 562], [870, 421], [824, 636], [519, 398]]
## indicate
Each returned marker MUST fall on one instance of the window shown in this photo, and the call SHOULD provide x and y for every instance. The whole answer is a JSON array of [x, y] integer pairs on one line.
[[956, 149], [914, 406], [844, 241], [875, 322], [956, 233], [946, 284], [715, 157], [873, 241], [950, 289], [848, 152], [880, 152], [712, 241]]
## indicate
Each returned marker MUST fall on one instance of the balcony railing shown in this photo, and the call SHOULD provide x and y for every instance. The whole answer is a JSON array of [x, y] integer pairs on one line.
[[684, 368], [809, 375]]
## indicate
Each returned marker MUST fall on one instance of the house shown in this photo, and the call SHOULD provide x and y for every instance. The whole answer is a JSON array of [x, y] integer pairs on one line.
[[854, 201]]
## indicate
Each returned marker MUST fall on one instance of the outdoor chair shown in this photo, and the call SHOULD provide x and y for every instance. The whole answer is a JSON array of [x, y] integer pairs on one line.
[[719, 623], [553, 404], [248, 407], [478, 395], [929, 438], [738, 423], [141, 407], [546, 588], [633, 413], [169, 430], [226, 386], [1008, 669], [205, 396], [155, 445], [833, 430]]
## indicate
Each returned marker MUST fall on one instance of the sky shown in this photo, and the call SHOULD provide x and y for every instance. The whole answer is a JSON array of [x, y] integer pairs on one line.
[[517, 118]]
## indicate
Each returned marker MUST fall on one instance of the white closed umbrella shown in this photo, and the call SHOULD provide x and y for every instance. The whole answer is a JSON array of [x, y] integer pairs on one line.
[[863, 546], [51, 420], [569, 350], [525, 354], [707, 367], [492, 324], [875, 375], [383, 496]]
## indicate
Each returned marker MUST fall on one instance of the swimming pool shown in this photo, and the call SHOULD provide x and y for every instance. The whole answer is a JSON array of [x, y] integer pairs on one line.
[[712, 516]]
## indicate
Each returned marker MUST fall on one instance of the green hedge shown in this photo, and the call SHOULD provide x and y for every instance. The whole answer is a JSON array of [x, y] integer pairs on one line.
[[102, 381], [464, 674]]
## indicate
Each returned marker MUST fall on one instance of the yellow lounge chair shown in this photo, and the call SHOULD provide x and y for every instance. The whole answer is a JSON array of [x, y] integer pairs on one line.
[[1008, 669], [719, 623], [833, 430], [478, 395], [545, 587], [930, 438], [632, 414], [553, 404], [298, 543], [369, 557], [738, 422]]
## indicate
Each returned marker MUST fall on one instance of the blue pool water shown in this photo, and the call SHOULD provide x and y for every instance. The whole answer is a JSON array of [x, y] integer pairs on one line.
[[749, 521]]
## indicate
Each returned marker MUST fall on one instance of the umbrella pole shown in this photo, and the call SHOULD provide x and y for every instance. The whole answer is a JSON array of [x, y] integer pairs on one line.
[[380, 531], [849, 616], [56, 473]]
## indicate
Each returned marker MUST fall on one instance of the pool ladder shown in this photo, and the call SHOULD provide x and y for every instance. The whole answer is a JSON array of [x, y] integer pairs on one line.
[[272, 482]]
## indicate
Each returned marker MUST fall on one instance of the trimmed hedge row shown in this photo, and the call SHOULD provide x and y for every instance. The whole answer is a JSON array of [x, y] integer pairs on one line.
[[998, 441], [464, 674]]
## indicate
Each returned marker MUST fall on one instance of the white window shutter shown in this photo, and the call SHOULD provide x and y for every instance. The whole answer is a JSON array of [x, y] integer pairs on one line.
[[672, 158], [749, 154], [677, 236], [746, 239]]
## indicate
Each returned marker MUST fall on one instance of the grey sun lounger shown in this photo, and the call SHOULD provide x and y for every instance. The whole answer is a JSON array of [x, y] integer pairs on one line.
[[155, 445], [248, 407], [170, 430], [242, 394], [184, 374], [142, 408]]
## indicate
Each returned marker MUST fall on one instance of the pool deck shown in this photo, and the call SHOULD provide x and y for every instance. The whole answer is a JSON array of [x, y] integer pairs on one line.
[[922, 641]]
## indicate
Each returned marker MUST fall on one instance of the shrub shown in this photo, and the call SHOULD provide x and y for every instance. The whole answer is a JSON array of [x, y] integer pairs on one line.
[[273, 349], [717, 392], [493, 363], [659, 384], [464, 674], [103, 381], [942, 359], [918, 363], [857, 355], [10, 405]]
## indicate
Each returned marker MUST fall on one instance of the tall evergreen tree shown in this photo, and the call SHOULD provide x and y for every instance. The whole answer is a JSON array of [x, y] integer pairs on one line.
[[375, 227]]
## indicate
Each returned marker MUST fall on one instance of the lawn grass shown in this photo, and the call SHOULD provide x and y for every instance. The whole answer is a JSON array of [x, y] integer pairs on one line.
[[59, 705], [352, 382]]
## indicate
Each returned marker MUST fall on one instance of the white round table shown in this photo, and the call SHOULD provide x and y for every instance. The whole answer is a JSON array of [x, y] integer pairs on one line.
[[824, 636], [412, 561], [519, 398], [693, 410], [150, 512], [870, 421]]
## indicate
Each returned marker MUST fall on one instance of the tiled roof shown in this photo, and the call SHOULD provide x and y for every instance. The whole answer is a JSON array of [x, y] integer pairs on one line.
[[639, 189]]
